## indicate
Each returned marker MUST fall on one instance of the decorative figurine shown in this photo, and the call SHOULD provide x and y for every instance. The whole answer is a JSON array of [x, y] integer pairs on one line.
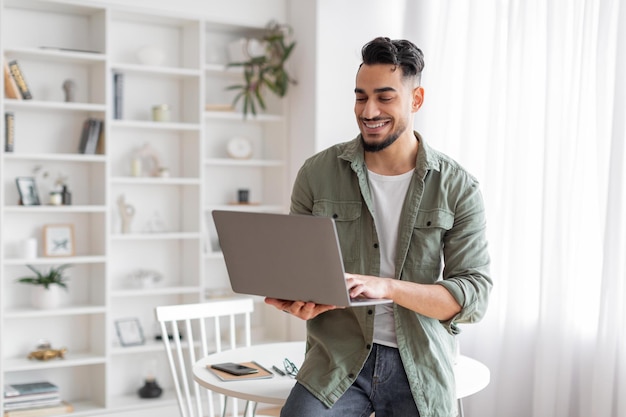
[[155, 224], [44, 352], [145, 278], [69, 87], [126, 213], [149, 155], [150, 389]]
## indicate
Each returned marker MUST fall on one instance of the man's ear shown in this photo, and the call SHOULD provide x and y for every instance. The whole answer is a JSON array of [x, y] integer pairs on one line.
[[418, 98]]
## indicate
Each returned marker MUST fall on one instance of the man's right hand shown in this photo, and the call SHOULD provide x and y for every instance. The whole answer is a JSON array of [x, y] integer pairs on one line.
[[301, 309]]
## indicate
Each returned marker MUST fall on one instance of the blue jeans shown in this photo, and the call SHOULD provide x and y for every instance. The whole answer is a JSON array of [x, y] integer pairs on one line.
[[381, 387]]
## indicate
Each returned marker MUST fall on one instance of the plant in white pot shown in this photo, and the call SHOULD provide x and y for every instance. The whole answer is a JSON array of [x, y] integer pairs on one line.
[[47, 286]]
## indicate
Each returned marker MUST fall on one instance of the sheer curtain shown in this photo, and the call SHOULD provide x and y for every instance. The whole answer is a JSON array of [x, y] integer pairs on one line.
[[530, 96]]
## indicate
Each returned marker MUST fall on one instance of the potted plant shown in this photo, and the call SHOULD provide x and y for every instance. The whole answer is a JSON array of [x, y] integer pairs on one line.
[[46, 290], [265, 68]]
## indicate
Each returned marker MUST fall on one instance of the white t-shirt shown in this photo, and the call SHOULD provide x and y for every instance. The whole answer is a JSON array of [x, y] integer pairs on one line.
[[388, 194]]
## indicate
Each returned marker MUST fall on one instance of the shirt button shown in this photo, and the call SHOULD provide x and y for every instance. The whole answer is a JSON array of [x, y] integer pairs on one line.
[[335, 215], [351, 376], [428, 223], [368, 346], [370, 312], [376, 245]]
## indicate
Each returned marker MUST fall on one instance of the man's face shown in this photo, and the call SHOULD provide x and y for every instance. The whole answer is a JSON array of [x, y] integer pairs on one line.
[[384, 104]]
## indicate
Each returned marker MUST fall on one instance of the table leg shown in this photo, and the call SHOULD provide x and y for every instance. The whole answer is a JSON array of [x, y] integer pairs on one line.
[[252, 410]]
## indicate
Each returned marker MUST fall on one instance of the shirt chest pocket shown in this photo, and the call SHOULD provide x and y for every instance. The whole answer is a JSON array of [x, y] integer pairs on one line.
[[347, 216], [427, 239]]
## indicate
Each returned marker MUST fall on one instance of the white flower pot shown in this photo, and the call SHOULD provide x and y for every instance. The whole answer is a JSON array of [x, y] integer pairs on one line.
[[43, 298]]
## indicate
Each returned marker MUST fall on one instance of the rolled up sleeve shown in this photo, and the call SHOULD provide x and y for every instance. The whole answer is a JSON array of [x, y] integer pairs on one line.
[[466, 258]]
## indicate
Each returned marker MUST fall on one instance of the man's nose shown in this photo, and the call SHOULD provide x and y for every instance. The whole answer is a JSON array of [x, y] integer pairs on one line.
[[370, 110]]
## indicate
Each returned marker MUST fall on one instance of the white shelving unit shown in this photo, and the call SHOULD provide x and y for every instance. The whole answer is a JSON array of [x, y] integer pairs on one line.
[[171, 232]]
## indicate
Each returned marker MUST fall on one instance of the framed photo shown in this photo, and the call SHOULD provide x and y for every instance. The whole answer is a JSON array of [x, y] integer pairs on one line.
[[28, 191], [129, 332], [58, 240]]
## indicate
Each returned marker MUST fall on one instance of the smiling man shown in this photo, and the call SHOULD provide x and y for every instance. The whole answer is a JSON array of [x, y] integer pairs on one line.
[[411, 226]]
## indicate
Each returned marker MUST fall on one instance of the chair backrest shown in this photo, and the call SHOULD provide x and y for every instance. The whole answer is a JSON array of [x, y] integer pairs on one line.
[[199, 339]]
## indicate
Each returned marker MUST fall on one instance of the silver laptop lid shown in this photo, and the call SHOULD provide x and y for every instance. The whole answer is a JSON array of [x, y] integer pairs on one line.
[[290, 257]]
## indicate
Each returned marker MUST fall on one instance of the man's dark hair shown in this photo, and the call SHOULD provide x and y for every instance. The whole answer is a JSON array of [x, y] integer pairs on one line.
[[398, 52]]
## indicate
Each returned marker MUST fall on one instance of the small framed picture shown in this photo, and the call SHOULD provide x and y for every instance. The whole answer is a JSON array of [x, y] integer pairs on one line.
[[58, 240], [28, 191], [129, 332]]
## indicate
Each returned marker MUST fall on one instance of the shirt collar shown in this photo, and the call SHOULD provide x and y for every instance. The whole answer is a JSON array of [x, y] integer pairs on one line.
[[426, 156]]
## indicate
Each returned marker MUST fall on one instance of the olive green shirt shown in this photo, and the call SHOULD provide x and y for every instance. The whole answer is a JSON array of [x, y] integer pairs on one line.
[[442, 224]]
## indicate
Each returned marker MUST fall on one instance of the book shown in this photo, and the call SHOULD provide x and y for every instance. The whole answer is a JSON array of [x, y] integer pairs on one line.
[[95, 127], [100, 147], [90, 135], [9, 131], [84, 135], [225, 376], [18, 76], [118, 95], [14, 390], [42, 402], [58, 48], [10, 86], [62, 408], [32, 397]]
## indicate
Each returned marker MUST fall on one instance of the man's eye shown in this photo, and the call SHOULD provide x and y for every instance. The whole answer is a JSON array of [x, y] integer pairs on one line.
[[385, 99], [361, 99]]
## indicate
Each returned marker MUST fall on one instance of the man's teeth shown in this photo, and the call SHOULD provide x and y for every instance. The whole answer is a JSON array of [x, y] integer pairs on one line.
[[374, 126]]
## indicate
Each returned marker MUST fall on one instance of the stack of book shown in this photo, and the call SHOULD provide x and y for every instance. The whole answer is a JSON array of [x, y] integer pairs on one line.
[[33, 399]]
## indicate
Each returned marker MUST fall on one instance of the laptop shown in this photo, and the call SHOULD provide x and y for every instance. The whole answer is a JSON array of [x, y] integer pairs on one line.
[[285, 256]]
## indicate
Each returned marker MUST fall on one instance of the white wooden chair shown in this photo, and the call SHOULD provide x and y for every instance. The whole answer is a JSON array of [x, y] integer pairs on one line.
[[200, 338]]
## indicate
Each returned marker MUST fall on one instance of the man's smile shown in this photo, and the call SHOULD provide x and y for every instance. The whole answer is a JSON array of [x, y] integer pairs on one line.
[[375, 124]]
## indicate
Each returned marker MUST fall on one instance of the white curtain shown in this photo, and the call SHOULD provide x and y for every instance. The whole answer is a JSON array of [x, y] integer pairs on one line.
[[530, 95]]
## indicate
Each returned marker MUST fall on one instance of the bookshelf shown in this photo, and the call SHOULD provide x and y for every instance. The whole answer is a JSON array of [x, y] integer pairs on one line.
[[141, 201]]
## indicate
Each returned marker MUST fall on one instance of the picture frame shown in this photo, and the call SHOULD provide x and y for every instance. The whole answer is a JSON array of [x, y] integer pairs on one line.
[[129, 332], [58, 240], [27, 189]]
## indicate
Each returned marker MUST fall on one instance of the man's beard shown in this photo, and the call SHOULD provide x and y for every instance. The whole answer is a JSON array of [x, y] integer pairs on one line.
[[377, 147]]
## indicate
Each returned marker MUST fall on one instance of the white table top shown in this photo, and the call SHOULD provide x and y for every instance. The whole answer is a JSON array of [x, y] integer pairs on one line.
[[471, 375]]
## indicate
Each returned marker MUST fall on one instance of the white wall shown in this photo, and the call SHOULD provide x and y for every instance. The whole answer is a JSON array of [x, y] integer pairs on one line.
[[343, 28], [245, 12], [302, 126], [330, 35]]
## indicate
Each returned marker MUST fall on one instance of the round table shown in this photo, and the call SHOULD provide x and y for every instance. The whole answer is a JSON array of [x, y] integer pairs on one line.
[[471, 375]]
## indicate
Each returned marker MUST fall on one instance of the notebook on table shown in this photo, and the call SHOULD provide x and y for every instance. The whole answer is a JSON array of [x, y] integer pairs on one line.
[[289, 257]]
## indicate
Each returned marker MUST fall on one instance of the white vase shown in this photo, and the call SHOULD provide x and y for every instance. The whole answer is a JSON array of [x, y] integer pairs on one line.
[[43, 298]]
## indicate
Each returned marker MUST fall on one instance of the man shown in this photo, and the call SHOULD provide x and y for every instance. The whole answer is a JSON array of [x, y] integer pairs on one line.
[[400, 207]]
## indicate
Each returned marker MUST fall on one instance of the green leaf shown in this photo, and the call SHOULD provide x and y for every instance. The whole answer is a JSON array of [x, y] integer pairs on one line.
[[266, 72], [259, 98], [55, 275]]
